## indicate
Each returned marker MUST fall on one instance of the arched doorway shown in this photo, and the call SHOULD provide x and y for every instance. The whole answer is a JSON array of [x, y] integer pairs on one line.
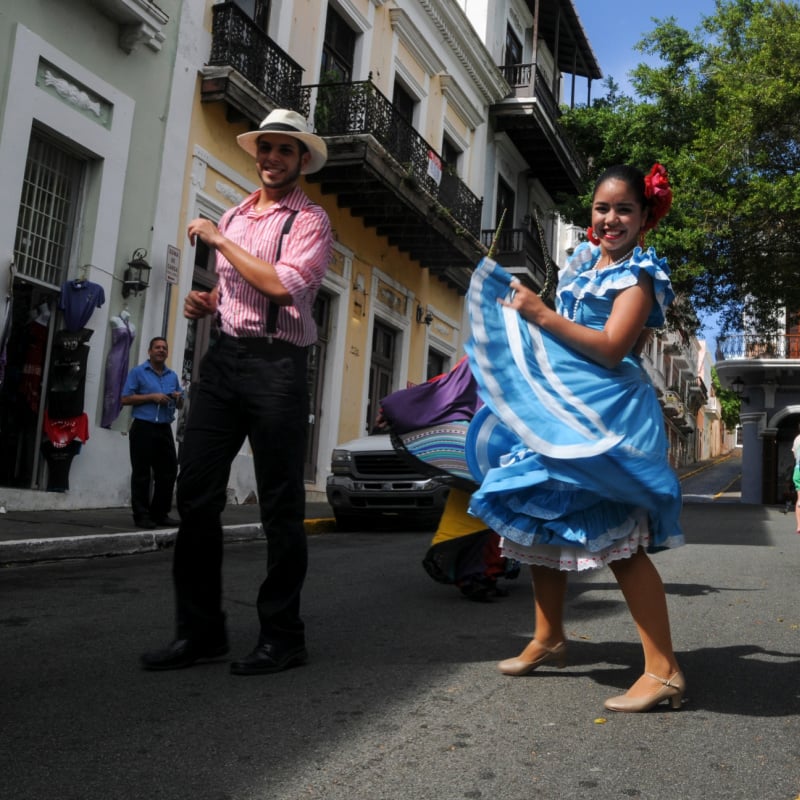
[[778, 458]]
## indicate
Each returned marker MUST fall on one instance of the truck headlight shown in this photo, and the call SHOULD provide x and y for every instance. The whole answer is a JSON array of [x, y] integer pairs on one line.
[[341, 461]]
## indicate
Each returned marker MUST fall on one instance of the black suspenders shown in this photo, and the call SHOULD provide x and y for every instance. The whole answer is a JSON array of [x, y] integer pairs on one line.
[[273, 308]]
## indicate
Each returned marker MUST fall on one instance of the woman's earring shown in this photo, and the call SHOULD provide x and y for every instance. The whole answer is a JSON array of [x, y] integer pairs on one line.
[[592, 236]]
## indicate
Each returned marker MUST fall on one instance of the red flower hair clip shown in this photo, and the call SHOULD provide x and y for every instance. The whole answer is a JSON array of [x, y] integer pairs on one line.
[[657, 190]]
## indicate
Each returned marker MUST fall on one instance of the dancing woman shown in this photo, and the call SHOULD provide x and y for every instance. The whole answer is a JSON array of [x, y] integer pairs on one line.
[[587, 483]]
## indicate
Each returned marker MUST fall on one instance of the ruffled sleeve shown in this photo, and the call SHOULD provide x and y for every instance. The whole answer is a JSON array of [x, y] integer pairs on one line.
[[580, 279]]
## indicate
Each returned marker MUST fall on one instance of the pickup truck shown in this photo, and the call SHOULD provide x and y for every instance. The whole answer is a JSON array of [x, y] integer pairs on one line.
[[372, 486]]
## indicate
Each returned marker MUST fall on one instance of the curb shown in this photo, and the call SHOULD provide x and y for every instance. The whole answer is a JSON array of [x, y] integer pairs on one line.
[[124, 544]]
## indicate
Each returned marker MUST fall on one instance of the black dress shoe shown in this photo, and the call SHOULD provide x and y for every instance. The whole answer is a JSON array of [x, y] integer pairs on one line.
[[182, 653], [166, 522], [270, 657], [144, 522]]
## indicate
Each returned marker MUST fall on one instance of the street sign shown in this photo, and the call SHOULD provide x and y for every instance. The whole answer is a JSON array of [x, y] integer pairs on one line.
[[173, 263]]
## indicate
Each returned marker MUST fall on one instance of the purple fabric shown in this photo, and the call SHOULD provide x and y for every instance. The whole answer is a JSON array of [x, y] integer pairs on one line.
[[78, 302], [447, 398], [116, 373]]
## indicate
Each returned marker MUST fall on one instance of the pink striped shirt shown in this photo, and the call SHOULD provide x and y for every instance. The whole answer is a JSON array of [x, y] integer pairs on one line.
[[305, 256]]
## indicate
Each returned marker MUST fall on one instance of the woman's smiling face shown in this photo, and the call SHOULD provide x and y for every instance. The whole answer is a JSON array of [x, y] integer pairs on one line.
[[617, 217]]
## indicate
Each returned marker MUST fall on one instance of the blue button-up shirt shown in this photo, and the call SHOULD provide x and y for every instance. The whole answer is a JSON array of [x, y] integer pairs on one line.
[[145, 380]]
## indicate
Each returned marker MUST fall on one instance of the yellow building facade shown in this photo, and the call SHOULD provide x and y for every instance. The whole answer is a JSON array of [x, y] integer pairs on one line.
[[385, 319]]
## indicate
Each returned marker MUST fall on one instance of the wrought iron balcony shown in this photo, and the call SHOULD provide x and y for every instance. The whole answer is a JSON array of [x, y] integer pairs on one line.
[[247, 69], [529, 116], [672, 404], [344, 109], [519, 252], [686, 423], [526, 80], [752, 345], [696, 394], [386, 173]]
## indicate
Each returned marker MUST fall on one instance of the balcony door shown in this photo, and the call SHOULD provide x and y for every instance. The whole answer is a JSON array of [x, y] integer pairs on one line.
[[258, 11], [506, 200], [401, 144], [513, 51], [338, 49]]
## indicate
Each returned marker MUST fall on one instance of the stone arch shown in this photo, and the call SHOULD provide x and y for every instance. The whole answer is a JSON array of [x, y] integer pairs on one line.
[[785, 431], [780, 416]]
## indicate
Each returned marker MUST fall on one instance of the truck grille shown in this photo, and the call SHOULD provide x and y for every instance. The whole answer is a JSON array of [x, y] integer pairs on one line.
[[383, 464]]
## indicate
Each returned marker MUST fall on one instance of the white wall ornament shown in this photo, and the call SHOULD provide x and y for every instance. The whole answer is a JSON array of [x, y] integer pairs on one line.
[[140, 22], [71, 93], [198, 172], [206, 159], [229, 193]]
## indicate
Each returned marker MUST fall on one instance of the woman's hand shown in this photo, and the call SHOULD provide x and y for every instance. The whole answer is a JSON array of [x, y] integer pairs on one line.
[[608, 346], [530, 306]]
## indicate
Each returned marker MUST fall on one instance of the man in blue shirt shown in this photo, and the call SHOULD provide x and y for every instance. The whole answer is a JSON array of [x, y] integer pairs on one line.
[[154, 392]]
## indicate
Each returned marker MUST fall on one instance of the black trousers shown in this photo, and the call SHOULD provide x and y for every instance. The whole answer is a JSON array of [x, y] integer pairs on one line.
[[255, 391], [152, 449]]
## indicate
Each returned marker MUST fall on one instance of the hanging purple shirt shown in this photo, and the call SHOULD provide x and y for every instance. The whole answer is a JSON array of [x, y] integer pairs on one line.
[[78, 301]]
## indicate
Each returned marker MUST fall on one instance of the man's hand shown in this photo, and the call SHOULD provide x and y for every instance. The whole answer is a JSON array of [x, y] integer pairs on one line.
[[199, 304], [205, 229]]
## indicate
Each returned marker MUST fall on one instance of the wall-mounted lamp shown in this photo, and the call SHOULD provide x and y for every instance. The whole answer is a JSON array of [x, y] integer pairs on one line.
[[423, 316], [360, 287], [137, 275], [738, 389]]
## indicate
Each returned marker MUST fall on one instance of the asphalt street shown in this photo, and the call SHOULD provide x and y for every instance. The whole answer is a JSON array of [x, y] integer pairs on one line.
[[401, 699]]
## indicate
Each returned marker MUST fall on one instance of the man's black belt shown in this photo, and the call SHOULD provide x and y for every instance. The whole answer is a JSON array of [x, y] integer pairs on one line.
[[259, 345]]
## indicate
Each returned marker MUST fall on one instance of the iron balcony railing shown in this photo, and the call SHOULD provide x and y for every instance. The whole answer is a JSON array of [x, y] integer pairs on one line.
[[752, 345], [527, 80], [516, 247], [239, 43], [354, 108]]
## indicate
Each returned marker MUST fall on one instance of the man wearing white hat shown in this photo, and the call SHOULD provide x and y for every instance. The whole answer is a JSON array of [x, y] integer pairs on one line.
[[272, 252]]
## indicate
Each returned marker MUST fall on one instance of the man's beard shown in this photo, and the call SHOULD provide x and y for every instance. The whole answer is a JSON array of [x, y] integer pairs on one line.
[[287, 180]]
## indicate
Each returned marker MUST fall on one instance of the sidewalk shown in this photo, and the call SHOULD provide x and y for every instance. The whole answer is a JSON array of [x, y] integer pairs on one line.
[[29, 536]]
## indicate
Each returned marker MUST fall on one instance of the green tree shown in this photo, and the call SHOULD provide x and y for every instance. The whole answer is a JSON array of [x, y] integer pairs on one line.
[[721, 110], [730, 403]]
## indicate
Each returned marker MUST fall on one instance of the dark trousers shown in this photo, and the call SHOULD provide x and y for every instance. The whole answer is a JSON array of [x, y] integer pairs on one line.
[[152, 449], [253, 390]]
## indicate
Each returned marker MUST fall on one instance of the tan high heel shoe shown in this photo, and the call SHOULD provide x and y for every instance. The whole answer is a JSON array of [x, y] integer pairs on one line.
[[672, 689], [519, 666]]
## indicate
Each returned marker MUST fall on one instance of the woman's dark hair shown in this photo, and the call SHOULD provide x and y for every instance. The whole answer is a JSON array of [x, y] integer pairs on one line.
[[632, 176]]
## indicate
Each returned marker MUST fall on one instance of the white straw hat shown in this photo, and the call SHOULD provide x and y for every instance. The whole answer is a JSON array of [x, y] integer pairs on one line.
[[289, 123]]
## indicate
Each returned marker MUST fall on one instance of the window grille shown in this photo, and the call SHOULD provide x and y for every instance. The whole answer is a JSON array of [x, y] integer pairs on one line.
[[47, 212]]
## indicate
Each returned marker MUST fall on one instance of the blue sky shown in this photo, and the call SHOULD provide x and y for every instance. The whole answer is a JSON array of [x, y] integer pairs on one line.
[[614, 28]]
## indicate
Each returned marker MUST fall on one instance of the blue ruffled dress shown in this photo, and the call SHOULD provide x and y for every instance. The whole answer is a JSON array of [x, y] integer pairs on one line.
[[584, 478]]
